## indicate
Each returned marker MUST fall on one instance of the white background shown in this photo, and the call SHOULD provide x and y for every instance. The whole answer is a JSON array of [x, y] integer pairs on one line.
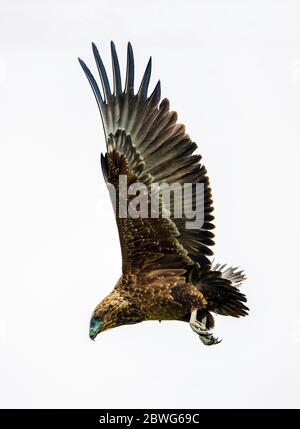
[[232, 71]]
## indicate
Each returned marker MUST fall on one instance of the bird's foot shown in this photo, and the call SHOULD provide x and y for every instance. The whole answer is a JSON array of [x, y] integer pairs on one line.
[[205, 336]]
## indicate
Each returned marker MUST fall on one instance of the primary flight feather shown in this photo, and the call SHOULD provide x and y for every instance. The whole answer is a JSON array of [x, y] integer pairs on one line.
[[166, 270]]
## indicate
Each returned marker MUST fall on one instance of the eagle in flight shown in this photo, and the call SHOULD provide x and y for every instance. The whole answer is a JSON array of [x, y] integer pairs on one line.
[[166, 270]]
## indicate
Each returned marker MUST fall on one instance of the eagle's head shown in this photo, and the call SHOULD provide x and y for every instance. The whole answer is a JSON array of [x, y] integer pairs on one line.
[[115, 310]]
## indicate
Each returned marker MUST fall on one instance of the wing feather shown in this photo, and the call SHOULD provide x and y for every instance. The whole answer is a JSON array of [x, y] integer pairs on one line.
[[155, 149]]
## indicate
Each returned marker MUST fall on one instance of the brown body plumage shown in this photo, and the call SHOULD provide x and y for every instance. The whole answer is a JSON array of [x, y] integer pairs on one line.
[[167, 274]]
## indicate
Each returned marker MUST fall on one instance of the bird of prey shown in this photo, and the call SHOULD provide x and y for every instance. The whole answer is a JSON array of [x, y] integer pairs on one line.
[[167, 272]]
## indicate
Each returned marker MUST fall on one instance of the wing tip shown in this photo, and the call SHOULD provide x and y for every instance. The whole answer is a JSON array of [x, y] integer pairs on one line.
[[129, 47], [129, 82], [82, 63]]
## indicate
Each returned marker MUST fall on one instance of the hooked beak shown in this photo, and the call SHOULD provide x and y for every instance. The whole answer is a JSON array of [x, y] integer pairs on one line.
[[95, 327]]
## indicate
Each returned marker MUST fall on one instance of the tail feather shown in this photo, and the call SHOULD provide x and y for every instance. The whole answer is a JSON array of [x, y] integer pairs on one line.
[[220, 288], [231, 273]]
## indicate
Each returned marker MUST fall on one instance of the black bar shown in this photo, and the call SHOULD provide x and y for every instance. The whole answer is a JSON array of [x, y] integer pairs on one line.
[[132, 418]]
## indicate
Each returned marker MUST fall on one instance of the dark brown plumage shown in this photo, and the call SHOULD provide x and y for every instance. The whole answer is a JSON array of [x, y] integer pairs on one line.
[[166, 271]]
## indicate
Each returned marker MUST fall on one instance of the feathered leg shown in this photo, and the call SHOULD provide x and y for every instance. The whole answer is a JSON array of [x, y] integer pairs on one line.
[[199, 328]]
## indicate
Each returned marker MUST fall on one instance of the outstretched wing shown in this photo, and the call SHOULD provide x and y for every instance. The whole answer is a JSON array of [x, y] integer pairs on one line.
[[147, 244], [145, 142]]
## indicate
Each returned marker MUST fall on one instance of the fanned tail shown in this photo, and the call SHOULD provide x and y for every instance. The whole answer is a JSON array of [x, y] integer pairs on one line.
[[220, 288]]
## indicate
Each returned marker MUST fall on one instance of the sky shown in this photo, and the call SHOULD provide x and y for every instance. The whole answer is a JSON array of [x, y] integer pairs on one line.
[[231, 70]]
